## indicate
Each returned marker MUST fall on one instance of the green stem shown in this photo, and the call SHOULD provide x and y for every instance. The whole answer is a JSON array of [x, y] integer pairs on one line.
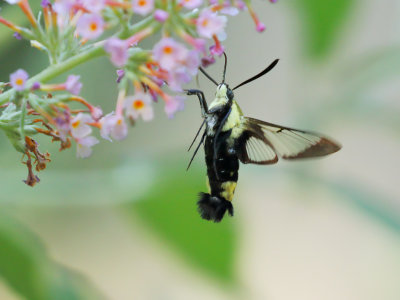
[[23, 115], [55, 70]]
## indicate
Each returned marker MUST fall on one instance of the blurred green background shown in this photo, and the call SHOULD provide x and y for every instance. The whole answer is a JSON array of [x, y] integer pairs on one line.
[[123, 224]]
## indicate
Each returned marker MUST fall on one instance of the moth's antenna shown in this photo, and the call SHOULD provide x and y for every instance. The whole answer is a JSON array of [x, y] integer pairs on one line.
[[269, 68], [208, 76], [223, 75]]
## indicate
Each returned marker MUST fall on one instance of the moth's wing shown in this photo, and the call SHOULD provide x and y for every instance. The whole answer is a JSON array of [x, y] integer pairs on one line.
[[252, 147], [291, 143]]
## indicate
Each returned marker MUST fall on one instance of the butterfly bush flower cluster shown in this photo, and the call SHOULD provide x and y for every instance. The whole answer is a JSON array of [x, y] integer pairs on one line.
[[72, 32]]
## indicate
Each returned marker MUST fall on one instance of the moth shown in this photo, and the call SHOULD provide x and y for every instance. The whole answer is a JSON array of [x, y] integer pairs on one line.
[[230, 137]]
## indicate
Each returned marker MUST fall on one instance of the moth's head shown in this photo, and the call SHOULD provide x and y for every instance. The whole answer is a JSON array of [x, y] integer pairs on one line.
[[223, 91]]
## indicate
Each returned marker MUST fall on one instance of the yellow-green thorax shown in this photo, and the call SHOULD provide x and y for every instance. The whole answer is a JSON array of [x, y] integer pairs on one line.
[[221, 100]]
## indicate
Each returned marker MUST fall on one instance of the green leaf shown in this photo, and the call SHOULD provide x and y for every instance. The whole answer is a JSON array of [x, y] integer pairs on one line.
[[170, 210], [26, 267], [322, 23]]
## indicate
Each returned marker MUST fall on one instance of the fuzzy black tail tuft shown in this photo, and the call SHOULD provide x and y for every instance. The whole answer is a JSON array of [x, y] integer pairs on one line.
[[213, 207]]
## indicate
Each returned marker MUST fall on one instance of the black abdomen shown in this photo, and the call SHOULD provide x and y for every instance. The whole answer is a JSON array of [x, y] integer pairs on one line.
[[222, 173]]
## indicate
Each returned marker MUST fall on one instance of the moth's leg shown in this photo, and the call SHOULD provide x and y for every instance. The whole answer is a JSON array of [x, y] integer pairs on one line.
[[202, 99]]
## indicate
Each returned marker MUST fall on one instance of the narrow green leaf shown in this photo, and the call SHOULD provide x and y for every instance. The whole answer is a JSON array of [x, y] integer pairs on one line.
[[26, 267]]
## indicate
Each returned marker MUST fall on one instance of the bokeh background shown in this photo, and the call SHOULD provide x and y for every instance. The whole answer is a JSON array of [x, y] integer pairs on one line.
[[123, 224]]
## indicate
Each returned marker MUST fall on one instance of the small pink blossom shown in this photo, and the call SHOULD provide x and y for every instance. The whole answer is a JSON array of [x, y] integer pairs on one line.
[[84, 146], [120, 75], [174, 104], [73, 85], [207, 60], [79, 127], [90, 26], [229, 10], [190, 4], [18, 79], [169, 53], [177, 78], [192, 62], [210, 23], [142, 7], [95, 6], [161, 15], [139, 105], [118, 50], [217, 49], [260, 27], [114, 126], [63, 121], [96, 112], [45, 3]]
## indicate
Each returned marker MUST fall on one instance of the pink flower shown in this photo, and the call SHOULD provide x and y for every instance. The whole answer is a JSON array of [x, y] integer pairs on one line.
[[169, 53], [207, 60], [139, 105], [95, 6], [73, 85], [63, 121], [18, 79], [161, 15], [229, 10], [120, 75], [178, 77], [190, 4], [114, 126], [90, 26], [174, 104], [96, 112], [210, 23], [192, 62], [142, 7], [217, 49], [260, 27], [79, 127], [118, 50], [84, 146]]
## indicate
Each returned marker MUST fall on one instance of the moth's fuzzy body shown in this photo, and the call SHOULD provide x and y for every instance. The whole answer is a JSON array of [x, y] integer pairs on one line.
[[222, 174], [231, 137]]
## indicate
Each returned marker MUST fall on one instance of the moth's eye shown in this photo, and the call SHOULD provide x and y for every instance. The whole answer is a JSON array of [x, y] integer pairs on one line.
[[229, 93]]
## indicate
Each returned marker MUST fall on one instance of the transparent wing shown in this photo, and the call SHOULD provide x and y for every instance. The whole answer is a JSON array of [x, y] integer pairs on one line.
[[291, 143], [253, 148]]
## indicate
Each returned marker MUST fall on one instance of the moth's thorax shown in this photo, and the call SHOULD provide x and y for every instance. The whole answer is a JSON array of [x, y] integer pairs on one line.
[[233, 121], [221, 97]]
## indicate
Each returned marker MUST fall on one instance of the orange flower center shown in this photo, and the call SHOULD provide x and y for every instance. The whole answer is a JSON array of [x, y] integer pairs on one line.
[[76, 124], [119, 122], [93, 26], [142, 2], [204, 23], [138, 104], [19, 81], [168, 50]]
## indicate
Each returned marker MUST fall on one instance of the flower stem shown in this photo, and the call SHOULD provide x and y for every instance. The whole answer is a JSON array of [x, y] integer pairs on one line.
[[55, 70]]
